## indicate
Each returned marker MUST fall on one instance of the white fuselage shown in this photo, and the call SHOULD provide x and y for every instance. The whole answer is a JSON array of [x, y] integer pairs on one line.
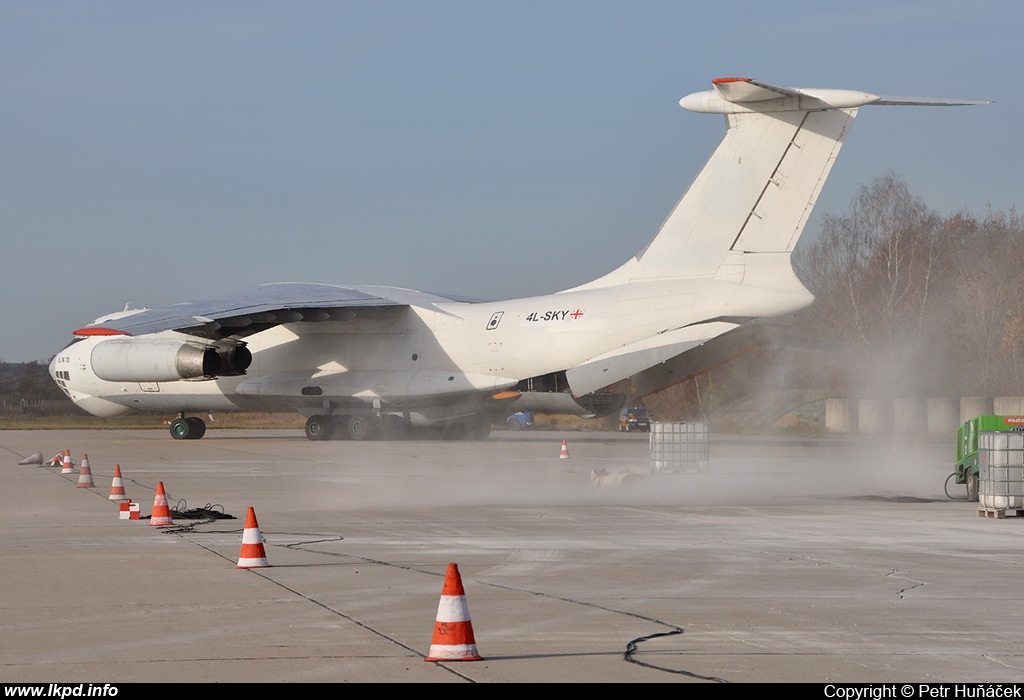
[[406, 359]]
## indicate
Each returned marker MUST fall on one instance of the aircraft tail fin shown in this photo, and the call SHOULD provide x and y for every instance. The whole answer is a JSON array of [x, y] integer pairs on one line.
[[756, 192]]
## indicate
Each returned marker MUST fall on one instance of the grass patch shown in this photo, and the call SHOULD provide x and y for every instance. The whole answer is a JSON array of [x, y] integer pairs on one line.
[[574, 423]]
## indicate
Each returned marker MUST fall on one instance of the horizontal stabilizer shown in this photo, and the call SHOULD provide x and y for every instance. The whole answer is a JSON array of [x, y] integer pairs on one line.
[[929, 102], [740, 95]]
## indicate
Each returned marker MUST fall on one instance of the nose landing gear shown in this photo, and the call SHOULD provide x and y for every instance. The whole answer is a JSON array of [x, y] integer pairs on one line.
[[191, 428]]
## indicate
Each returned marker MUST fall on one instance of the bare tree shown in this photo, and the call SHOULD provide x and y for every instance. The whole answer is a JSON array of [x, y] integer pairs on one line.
[[983, 317], [872, 272]]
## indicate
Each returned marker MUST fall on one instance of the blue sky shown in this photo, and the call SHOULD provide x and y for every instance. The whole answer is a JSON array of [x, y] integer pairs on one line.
[[159, 152]]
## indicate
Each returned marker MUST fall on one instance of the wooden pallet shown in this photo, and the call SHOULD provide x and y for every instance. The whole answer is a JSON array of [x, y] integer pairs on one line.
[[1000, 513]]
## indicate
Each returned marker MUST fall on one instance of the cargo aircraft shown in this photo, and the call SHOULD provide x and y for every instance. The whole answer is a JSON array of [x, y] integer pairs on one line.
[[363, 361]]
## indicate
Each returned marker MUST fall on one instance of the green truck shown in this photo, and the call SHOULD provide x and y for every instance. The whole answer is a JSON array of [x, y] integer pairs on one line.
[[967, 446]]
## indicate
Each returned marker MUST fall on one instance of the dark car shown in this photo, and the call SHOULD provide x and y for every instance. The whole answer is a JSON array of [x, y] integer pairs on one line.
[[634, 419]]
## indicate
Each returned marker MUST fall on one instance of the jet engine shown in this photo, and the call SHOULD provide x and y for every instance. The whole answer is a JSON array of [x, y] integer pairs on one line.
[[165, 360], [234, 359]]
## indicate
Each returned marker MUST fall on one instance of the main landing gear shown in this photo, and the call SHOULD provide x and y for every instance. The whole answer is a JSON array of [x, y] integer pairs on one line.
[[393, 427], [191, 428], [341, 427]]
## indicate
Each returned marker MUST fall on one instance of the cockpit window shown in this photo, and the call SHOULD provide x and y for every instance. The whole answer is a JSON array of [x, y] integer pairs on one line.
[[74, 340]]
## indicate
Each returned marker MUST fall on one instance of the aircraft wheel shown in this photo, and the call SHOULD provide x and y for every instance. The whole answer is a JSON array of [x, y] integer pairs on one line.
[[318, 427], [197, 428], [181, 429], [360, 427], [972, 486]]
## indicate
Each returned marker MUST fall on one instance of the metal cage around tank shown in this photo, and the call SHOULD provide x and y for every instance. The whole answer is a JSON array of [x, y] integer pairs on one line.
[[679, 447]]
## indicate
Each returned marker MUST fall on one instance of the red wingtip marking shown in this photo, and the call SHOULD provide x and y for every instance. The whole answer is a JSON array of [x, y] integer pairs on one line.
[[89, 332], [716, 81]]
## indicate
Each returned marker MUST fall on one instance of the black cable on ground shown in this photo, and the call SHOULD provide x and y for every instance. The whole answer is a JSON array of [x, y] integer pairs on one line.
[[199, 516], [631, 650], [210, 511]]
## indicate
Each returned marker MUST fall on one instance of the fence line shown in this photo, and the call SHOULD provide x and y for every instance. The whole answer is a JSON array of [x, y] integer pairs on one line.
[[13, 406]]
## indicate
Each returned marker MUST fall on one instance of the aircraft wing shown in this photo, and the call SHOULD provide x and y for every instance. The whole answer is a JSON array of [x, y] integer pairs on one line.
[[255, 309]]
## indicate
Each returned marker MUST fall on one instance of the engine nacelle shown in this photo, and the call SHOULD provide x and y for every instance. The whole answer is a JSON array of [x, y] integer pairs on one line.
[[153, 360]]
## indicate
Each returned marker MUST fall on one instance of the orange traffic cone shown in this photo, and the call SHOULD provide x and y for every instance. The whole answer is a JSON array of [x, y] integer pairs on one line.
[[34, 458], [565, 451], [67, 466], [453, 631], [161, 513], [85, 475], [253, 555], [117, 486]]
